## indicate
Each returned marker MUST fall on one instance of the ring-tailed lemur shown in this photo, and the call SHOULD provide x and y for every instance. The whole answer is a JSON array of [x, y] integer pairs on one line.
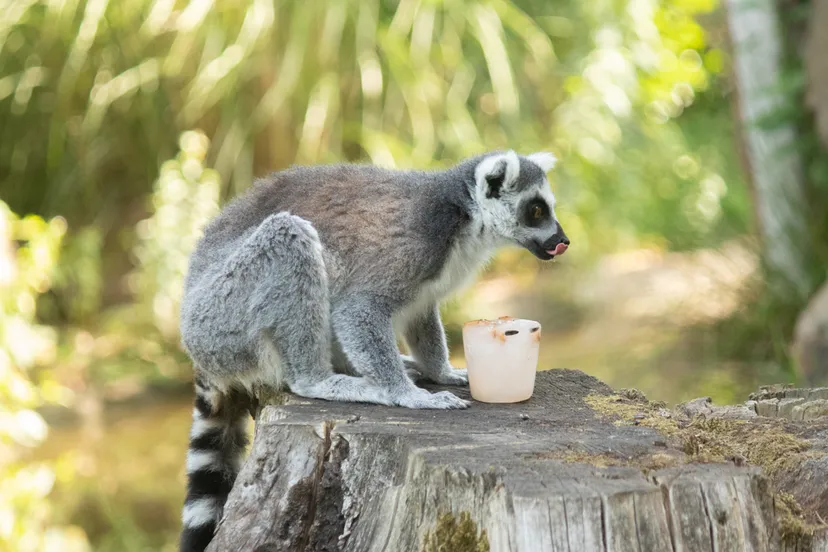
[[301, 282]]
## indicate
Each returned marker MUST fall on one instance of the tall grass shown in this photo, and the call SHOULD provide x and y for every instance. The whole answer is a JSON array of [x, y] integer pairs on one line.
[[93, 93]]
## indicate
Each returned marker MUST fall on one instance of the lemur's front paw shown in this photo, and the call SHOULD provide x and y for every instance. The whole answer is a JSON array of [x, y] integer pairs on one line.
[[453, 376], [422, 399]]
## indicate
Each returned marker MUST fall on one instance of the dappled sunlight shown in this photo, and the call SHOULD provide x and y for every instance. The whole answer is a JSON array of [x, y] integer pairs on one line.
[[185, 198], [26, 519]]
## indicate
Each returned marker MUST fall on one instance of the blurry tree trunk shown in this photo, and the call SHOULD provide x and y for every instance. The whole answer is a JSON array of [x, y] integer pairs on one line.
[[816, 66], [774, 166], [810, 346]]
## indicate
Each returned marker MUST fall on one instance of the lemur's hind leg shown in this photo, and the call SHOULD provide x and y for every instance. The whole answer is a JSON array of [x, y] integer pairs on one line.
[[290, 306]]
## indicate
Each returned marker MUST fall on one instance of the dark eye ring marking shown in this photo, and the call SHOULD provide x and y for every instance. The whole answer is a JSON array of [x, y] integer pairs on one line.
[[536, 212]]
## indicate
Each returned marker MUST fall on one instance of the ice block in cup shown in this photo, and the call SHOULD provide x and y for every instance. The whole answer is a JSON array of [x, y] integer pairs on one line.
[[502, 358]]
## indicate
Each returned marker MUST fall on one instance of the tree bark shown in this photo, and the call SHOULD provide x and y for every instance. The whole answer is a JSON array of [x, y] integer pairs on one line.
[[577, 467], [774, 166]]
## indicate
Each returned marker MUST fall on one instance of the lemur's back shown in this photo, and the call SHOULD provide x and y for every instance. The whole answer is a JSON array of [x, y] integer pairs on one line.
[[371, 221]]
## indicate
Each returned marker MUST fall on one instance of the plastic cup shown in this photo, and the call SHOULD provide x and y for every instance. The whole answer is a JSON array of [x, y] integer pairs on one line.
[[502, 358]]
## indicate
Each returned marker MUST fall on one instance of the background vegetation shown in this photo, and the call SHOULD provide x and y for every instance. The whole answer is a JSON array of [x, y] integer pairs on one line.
[[124, 125]]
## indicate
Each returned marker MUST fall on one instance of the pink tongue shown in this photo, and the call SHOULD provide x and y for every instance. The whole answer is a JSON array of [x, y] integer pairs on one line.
[[559, 249]]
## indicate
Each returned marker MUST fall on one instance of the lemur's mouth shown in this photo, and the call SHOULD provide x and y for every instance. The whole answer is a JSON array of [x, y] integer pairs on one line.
[[560, 249], [546, 254]]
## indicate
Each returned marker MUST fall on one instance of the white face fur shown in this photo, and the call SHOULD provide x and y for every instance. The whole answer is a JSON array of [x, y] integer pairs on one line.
[[516, 204]]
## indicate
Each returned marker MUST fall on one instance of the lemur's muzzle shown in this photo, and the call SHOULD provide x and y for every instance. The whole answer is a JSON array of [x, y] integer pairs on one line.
[[557, 244]]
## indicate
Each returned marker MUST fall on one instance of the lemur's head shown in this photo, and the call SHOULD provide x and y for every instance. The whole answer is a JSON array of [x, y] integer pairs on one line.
[[516, 203]]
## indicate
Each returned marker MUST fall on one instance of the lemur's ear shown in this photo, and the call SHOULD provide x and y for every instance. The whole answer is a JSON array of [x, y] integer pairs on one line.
[[543, 159], [497, 172]]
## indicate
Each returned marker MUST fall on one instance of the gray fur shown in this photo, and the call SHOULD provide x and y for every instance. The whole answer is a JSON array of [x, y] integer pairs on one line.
[[314, 267], [302, 282]]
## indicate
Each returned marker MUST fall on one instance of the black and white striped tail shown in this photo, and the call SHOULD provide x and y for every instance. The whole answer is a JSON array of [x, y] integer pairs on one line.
[[217, 441]]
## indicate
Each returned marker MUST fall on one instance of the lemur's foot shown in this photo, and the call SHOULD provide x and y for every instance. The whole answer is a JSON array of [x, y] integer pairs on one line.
[[453, 376], [447, 376], [422, 399], [341, 387]]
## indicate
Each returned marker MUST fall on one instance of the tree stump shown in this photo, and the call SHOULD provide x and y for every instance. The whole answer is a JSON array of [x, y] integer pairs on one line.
[[577, 467]]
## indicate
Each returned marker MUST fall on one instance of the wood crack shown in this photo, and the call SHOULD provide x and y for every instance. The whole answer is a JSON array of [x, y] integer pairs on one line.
[[316, 480], [710, 520], [665, 499]]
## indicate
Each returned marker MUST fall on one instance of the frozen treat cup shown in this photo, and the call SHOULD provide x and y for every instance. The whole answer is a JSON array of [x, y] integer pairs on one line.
[[502, 358]]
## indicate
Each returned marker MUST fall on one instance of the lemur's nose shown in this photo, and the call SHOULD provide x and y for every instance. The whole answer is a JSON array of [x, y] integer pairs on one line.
[[565, 241]]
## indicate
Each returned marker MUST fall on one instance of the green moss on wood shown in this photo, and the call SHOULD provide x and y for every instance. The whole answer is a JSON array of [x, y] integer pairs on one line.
[[456, 535], [644, 462], [762, 442], [794, 531], [631, 407]]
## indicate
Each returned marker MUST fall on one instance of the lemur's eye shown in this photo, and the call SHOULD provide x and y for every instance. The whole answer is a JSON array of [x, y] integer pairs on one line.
[[537, 212]]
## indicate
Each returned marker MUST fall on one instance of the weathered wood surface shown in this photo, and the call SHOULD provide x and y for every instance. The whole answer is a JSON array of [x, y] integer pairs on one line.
[[790, 403], [554, 473]]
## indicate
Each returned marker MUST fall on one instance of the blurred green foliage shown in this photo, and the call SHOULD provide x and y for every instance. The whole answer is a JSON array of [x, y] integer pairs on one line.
[[28, 253], [185, 198], [98, 99], [94, 95]]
